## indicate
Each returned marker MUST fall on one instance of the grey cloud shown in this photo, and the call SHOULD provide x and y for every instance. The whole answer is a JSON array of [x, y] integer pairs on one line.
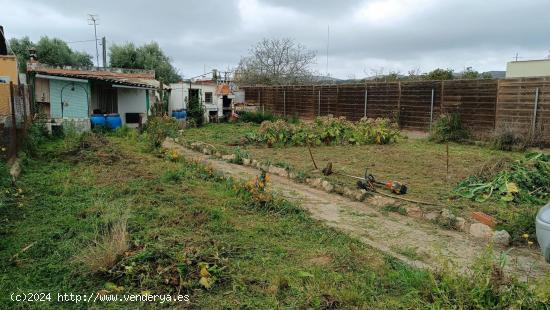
[[198, 34]]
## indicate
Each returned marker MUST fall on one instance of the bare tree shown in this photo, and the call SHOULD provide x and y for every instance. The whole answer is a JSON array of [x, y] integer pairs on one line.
[[276, 62]]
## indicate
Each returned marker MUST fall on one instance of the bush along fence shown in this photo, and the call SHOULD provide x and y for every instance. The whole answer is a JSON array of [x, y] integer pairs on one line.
[[520, 105]]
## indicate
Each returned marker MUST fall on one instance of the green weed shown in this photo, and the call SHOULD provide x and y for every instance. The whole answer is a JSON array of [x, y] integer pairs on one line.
[[448, 127]]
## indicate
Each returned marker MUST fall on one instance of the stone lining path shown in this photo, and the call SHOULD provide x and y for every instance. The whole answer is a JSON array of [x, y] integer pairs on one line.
[[412, 241]]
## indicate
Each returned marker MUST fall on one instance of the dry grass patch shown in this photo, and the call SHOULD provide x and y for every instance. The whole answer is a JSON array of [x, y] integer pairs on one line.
[[106, 249]]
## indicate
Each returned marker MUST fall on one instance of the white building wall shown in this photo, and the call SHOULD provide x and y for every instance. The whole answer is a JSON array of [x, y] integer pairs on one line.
[[179, 97], [528, 68], [131, 100]]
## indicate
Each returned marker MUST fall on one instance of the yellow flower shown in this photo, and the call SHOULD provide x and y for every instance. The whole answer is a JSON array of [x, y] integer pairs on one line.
[[525, 236], [3, 149]]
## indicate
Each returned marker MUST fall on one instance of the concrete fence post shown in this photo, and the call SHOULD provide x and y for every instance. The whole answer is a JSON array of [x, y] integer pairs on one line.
[[432, 109], [366, 99], [319, 103], [284, 102], [534, 121], [260, 101]]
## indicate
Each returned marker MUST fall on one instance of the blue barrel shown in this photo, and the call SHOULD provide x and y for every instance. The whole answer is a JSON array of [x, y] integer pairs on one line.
[[97, 120], [179, 114], [175, 114], [113, 121]]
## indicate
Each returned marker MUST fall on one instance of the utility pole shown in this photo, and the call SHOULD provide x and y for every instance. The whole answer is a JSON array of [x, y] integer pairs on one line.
[[92, 20], [104, 45]]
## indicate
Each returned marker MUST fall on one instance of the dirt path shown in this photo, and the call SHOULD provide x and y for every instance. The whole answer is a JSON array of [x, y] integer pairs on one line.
[[414, 242]]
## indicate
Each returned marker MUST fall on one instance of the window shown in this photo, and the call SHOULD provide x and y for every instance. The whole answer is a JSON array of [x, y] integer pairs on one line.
[[208, 97]]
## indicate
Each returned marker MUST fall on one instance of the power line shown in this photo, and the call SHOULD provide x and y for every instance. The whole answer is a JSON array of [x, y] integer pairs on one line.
[[82, 41]]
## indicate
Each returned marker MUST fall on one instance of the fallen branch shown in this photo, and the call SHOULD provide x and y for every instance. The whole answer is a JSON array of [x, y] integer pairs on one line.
[[23, 250]]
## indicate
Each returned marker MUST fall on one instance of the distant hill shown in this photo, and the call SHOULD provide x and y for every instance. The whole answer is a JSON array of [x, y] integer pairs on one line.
[[497, 74], [332, 80], [325, 79]]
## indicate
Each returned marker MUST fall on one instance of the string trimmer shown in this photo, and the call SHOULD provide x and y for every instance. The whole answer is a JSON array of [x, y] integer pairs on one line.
[[369, 183]]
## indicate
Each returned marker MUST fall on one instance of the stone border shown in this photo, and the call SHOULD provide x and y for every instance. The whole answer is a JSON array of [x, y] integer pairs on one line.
[[444, 217]]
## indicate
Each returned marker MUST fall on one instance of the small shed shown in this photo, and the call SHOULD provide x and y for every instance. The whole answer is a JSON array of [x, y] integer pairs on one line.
[[76, 93]]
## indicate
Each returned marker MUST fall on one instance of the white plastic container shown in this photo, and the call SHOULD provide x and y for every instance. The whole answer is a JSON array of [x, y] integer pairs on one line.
[[543, 231]]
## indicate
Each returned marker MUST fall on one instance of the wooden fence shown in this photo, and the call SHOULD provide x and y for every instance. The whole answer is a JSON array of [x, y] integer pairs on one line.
[[524, 107], [484, 105]]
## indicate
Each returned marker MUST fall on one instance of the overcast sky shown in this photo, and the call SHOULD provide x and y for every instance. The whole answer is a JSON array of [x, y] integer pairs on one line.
[[365, 36]]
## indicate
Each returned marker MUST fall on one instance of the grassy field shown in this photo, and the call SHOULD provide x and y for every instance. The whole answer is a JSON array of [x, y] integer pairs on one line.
[[178, 217], [419, 163]]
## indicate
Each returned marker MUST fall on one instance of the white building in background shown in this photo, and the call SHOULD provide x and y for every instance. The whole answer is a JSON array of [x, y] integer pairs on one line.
[[216, 97], [528, 68]]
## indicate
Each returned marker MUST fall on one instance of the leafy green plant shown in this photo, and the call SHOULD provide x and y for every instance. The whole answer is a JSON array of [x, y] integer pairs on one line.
[[395, 208], [256, 117], [195, 112], [449, 128], [36, 134], [125, 131], [159, 128], [240, 154], [326, 130], [527, 181], [524, 183]]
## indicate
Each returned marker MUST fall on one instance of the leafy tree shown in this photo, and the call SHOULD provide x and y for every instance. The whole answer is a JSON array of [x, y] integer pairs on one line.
[[21, 48], [149, 56], [392, 76], [439, 74], [276, 62], [50, 51], [470, 74], [56, 52]]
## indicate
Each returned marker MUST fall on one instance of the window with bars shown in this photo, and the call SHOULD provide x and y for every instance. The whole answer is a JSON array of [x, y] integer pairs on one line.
[[208, 97]]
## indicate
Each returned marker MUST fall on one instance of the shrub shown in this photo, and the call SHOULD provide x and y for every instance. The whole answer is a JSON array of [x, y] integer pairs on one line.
[[195, 112], [240, 154], [449, 128], [326, 130], [159, 128], [125, 132], [107, 248], [256, 117], [506, 139], [256, 194], [36, 134]]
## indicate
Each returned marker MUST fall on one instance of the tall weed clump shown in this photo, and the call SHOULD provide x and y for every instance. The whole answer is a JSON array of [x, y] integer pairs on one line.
[[256, 117], [37, 133], [159, 128], [485, 286], [448, 128], [507, 139], [107, 248]]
